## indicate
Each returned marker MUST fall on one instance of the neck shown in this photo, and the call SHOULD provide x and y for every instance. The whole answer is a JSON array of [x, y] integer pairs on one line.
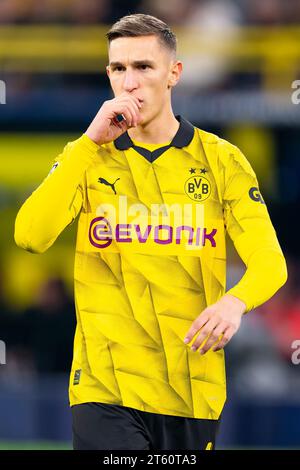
[[161, 129]]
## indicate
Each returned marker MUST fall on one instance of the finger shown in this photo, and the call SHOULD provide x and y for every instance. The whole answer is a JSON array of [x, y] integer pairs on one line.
[[117, 121], [126, 113], [214, 337], [204, 333], [123, 127], [128, 106], [226, 337], [132, 99], [134, 106], [134, 112], [120, 124], [195, 327]]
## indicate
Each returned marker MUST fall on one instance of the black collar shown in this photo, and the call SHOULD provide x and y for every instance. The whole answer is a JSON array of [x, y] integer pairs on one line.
[[182, 138]]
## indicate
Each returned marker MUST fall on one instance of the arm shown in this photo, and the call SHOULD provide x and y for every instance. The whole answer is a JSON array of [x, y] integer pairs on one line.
[[248, 224], [56, 202]]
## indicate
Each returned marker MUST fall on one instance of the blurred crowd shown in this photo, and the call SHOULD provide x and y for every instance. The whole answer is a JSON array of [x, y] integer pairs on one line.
[[39, 340], [211, 23], [260, 358], [176, 12]]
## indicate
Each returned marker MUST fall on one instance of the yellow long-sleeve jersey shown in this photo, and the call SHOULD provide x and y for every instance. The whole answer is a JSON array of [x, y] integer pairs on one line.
[[150, 257]]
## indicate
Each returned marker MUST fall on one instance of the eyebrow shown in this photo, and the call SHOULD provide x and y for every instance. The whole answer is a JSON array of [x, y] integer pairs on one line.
[[136, 63]]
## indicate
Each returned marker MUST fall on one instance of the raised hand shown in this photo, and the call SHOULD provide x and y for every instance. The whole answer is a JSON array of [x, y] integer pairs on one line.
[[105, 126]]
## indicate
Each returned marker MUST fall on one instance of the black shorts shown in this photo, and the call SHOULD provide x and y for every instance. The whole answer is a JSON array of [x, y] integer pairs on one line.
[[102, 426]]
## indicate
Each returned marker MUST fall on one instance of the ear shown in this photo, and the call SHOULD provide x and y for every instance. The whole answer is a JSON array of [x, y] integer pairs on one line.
[[107, 70], [175, 72]]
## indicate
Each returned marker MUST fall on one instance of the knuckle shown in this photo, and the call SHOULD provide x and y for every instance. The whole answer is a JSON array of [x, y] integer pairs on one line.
[[214, 336], [206, 330]]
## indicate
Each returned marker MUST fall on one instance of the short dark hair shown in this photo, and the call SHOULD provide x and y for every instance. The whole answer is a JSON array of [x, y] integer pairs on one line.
[[140, 24]]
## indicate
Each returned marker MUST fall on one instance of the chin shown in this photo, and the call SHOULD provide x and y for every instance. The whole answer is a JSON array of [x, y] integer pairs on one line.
[[146, 120], [142, 121]]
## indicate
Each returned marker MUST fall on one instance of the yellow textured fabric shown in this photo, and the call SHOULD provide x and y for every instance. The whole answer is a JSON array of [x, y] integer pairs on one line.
[[141, 278]]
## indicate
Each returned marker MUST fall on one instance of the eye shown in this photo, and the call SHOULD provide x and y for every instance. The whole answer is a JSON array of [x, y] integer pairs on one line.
[[144, 66], [118, 68]]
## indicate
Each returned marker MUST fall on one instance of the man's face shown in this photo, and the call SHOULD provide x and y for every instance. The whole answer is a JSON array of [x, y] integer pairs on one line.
[[143, 67]]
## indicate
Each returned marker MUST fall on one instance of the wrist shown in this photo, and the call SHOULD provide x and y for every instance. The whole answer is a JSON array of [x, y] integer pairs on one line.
[[239, 305], [92, 135]]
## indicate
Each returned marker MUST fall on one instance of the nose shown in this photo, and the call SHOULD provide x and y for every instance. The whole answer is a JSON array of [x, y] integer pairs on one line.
[[130, 81]]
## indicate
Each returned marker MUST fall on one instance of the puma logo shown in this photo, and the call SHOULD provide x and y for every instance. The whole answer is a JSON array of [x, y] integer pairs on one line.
[[112, 185]]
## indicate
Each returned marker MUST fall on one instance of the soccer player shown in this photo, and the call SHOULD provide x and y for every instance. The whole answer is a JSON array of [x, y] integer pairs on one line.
[[156, 196]]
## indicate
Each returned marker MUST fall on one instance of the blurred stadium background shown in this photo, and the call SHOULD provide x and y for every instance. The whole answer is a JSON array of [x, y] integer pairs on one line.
[[240, 60]]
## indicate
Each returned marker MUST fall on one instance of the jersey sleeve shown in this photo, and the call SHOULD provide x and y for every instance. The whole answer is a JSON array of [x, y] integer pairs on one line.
[[57, 200], [249, 226]]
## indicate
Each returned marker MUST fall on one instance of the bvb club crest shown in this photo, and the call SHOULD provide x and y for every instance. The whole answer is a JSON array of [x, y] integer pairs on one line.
[[197, 187]]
